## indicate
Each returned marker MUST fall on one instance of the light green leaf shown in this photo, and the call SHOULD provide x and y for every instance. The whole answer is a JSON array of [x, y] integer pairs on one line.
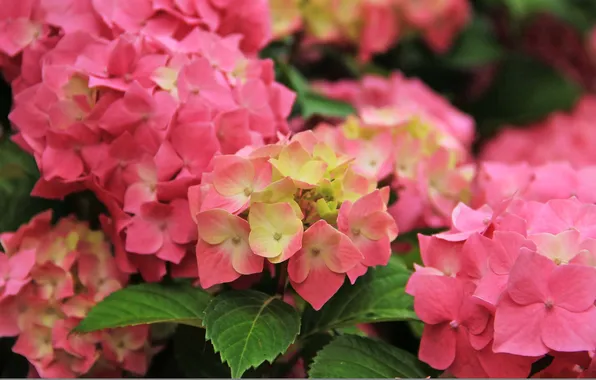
[[316, 104], [378, 296], [248, 328], [351, 356], [145, 304]]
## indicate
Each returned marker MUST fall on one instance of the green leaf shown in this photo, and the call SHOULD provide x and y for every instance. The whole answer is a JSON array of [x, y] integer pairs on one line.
[[146, 304], [250, 327], [310, 102], [18, 174], [578, 13], [524, 91], [294, 78], [523, 8], [378, 296], [351, 356], [351, 330], [476, 46], [416, 327], [195, 355], [316, 104]]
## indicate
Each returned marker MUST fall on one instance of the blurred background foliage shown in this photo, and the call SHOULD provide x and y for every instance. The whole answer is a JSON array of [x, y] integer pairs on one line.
[[516, 62]]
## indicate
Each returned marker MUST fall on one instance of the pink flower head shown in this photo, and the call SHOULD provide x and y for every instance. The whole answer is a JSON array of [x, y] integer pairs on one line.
[[547, 307], [63, 271], [370, 228], [223, 251], [317, 270], [161, 230], [563, 137], [280, 190]]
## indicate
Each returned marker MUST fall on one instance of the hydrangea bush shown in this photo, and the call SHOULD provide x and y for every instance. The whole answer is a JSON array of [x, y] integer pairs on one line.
[[297, 189]]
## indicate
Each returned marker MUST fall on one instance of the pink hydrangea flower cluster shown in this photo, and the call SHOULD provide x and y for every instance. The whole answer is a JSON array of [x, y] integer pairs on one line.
[[562, 136], [506, 286], [29, 28], [50, 276], [495, 181], [374, 25], [410, 136], [138, 117], [296, 202]]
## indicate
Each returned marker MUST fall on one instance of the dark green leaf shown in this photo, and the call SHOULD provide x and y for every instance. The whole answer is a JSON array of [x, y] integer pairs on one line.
[[376, 297], [196, 356], [312, 345], [476, 46], [351, 356], [316, 104], [248, 328], [310, 102], [416, 327], [524, 91], [145, 304], [351, 330], [18, 174]]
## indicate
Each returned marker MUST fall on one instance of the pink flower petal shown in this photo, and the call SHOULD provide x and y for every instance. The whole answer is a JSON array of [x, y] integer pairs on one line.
[[143, 237], [569, 332], [215, 265], [529, 278], [181, 227], [518, 328], [438, 299], [437, 346], [320, 285], [573, 287]]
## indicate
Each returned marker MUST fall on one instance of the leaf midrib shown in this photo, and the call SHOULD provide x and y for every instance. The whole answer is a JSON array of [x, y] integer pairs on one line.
[[252, 326]]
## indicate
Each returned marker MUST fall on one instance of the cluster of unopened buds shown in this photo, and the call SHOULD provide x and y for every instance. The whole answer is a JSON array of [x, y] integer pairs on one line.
[[50, 276], [507, 286], [375, 26], [298, 202], [133, 102], [409, 136]]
